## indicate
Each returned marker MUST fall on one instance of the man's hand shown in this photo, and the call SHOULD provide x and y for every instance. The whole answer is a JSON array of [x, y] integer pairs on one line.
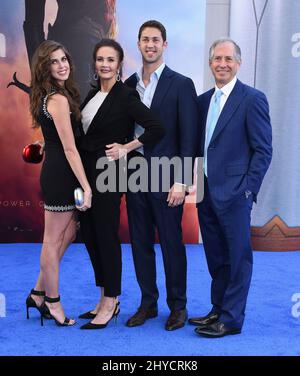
[[115, 151], [176, 195]]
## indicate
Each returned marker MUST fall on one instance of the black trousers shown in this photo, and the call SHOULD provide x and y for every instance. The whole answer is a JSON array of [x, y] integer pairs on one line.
[[99, 228]]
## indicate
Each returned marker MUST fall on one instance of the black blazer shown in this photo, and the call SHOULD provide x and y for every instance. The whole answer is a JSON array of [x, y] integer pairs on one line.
[[115, 119]]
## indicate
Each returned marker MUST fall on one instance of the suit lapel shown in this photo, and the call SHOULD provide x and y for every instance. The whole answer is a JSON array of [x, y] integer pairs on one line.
[[163, 86], [97, 121], [132, 81], [232, 103], [89, 96]]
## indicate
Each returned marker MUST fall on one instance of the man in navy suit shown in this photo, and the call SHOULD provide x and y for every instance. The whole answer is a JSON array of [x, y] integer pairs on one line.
[[172, 98], [237, 149]]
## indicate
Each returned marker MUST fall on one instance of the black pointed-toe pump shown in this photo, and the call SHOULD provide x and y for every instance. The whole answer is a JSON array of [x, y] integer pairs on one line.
[[115, 314], [88, 315]]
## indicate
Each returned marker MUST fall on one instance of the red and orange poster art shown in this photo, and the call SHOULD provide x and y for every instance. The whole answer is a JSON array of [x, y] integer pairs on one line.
[[23, 25]]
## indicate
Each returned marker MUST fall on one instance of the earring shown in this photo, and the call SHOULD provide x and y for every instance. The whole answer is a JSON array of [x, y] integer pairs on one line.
[[95, 76], [118, 78]]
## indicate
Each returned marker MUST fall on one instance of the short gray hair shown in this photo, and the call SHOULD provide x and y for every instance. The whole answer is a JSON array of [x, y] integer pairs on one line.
[[237, 50]]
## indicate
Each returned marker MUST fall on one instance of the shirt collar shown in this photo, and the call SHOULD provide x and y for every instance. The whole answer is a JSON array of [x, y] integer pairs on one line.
[[157, 72], [227, 89]]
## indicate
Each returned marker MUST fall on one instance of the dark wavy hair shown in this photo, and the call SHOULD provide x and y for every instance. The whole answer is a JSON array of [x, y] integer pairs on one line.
[[43, 83], [108, 42]]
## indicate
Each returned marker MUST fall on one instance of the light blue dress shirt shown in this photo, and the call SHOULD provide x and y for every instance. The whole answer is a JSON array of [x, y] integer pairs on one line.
[[146, 94]]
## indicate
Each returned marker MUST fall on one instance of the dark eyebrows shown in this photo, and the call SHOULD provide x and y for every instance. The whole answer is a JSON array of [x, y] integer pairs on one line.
[[108, 57], [56, 59], [153, 38]]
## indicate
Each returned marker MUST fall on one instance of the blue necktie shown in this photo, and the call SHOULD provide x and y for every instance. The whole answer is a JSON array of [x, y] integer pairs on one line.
[[212, 118]]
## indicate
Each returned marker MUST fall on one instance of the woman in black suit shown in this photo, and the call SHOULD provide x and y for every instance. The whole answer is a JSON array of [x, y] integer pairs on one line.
[[108, 116]]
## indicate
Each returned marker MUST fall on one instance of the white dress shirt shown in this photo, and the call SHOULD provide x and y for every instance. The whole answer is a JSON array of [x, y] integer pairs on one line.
[[226, 90]]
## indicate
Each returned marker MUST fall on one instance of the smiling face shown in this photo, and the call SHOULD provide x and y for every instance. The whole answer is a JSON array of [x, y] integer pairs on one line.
[[152, 46], [59, 67], [224, 64], [107, 64]]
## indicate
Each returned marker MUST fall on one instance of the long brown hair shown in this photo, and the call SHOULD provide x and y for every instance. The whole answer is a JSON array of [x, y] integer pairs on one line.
[[42, 82]]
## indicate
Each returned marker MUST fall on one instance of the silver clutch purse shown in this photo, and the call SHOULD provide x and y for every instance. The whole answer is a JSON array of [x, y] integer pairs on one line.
[[78, 196]]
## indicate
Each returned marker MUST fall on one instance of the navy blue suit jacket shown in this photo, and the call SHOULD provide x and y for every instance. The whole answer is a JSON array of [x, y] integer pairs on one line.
[[240, 149], [175, 105]]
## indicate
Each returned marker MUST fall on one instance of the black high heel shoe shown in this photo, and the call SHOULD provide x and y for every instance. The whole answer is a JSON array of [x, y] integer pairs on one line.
[[115, 314], [46, 310], [30, 302], [89, 314]]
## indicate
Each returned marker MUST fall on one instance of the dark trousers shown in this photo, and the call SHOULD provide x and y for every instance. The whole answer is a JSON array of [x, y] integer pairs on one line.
[[226, 239], [99, 228], [145, 213]]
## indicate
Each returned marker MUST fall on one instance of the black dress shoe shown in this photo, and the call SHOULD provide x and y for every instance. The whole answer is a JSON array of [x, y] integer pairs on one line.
[[216, 330], [205, 320], [141, 315], [87, 315], [176, 319], [91, 325], [90, 315]]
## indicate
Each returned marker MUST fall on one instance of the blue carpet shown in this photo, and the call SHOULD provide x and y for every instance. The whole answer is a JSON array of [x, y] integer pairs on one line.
[[270, 328]]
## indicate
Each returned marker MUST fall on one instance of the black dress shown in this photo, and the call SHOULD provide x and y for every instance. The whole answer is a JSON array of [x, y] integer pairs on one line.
[[57, 178]]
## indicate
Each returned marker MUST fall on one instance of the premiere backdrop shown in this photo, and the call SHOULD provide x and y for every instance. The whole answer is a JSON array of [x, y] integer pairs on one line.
[[268, 32], [78, 24]]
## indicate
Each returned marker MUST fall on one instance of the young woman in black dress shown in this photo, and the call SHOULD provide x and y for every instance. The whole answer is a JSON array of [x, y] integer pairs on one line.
[[54, 105]]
